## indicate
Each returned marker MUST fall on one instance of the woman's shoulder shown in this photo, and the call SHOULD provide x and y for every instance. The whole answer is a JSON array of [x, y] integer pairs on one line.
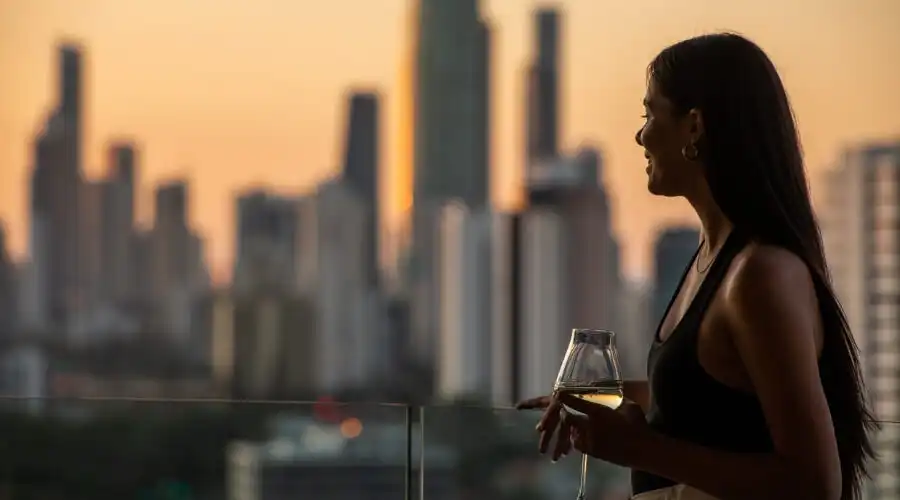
[[766, 282], [761, 264]]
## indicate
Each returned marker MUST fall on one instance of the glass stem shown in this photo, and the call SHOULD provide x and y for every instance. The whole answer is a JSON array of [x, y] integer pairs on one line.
[[581, 487]]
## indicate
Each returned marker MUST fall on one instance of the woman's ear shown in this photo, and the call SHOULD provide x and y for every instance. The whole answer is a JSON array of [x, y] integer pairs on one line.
[[695, 125]]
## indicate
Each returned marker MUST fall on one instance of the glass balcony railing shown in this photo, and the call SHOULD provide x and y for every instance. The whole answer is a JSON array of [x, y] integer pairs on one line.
[[118, 449]]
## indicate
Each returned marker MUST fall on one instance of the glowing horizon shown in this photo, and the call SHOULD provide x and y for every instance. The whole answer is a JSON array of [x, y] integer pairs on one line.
[[246, 94]]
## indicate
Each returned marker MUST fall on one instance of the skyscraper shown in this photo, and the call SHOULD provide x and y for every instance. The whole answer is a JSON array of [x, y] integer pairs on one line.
[[170, 238], [55, 188], [266, 249], [361, 168], [464, 279], [570, 261], [8, 289], [859, 231], [71, 100], [117, 222], [568, 186], [179, 273], [542, 89], [349, 327], [451, 137]]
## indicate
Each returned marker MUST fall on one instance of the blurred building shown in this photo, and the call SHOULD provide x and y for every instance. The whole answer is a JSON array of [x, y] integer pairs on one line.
[[464, 292], [177, 271], [636, 328], [451, 129], [542, 89], [9, 284], [260, 345], [267, 242], [353, 457], [673, 250], [23, 374], [361, 171], [117, 216], [862, 241], [546, 296], [86, 301], [568, 215], [507, 315], [512, 286], [352, 348], [55, 186]]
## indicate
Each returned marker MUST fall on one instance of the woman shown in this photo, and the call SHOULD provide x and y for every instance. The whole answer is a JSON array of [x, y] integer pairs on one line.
[[754, 387]]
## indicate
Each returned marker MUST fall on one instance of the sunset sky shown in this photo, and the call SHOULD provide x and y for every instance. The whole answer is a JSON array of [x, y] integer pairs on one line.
[[237, 93]]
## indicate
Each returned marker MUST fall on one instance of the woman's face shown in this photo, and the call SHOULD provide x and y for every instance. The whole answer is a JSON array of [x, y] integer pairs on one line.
[[664, 136]]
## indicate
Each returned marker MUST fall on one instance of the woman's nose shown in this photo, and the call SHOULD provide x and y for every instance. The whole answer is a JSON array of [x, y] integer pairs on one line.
[[637, 137]]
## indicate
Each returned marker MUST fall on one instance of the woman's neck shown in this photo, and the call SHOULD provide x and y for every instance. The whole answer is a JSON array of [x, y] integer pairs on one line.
[[714, 224]]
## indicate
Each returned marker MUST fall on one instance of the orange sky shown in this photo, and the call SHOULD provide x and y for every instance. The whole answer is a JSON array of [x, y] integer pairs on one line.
[[239, 92]]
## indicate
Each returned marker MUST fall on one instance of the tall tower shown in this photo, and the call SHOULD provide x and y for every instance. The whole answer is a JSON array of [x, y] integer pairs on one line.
[[542, 89], [55, 190], [570, 261], [267, 239], [117, 222], [361, 168], [451, 138], [70, 100], [859, 231], [8, 288], [171, 238]]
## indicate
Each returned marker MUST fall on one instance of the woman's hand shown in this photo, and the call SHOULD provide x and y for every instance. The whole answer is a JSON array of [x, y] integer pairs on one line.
[[538, 403], [601, 432]]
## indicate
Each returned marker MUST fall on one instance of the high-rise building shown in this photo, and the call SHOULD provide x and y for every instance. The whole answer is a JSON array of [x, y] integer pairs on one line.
[[90, 250], [350, 336], [8, 290], [542, 89], [451, 138], [55, 189], [673, 250], [117, 216], [178, 271], [546, 293], [859, 229], [569, 186], [260, 345], [635, 328], [170, 236], [361, 167], [569, 263], [464, 290], [266, 249], [507, 312], [71, 98]]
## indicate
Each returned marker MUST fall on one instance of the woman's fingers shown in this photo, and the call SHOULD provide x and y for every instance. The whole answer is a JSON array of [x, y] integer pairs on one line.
[[538, 403], [577, 438], [548, 424], [563, 437]]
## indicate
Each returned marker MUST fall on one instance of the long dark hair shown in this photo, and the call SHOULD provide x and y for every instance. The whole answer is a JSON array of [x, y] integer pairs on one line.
[[754, 167]]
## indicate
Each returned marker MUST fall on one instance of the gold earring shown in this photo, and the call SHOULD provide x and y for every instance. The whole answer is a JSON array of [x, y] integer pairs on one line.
[[690, 152]]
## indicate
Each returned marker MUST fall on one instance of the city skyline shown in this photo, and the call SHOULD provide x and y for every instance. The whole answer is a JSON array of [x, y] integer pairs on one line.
[[227, 129]]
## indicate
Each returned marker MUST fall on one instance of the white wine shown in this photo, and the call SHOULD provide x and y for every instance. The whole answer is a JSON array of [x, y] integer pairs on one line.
[[608, 394]]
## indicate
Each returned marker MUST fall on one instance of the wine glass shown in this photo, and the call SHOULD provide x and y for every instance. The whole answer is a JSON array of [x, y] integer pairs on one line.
[[590, 372]]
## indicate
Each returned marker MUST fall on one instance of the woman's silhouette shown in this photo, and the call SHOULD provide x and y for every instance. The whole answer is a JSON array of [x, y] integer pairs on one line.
[[754, 388]]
